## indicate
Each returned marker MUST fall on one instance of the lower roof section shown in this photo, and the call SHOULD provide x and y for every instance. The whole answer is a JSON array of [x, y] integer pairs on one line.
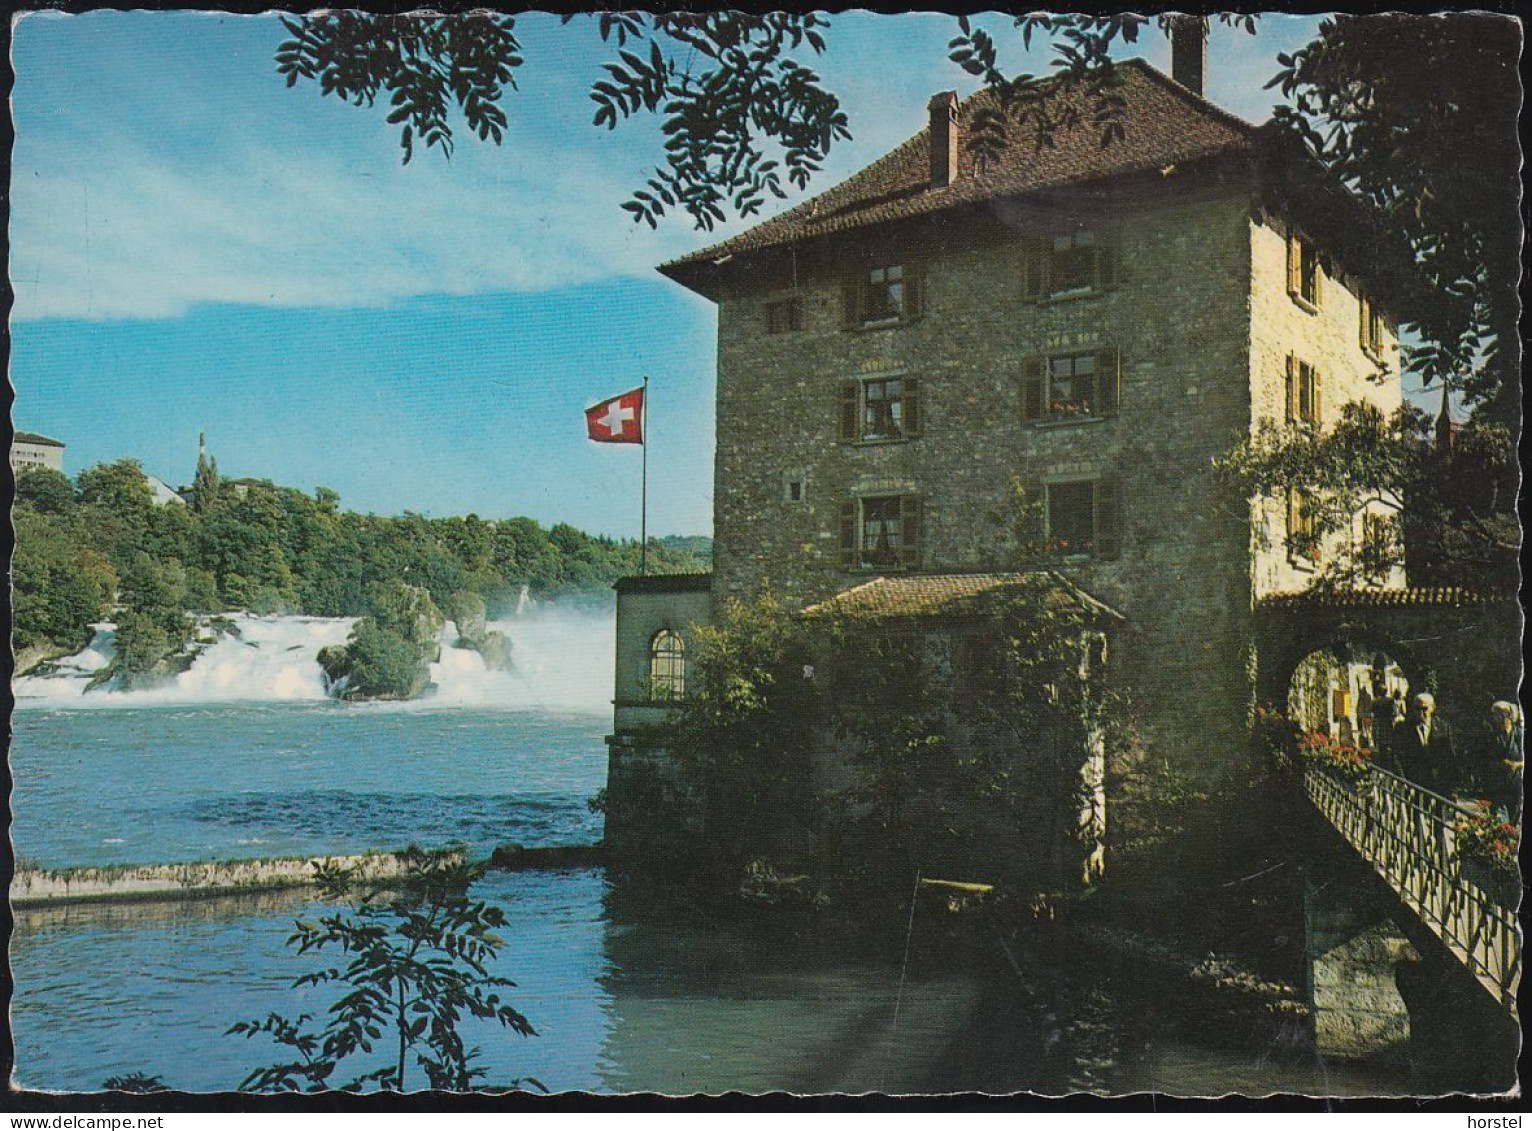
[[665, 583], [951, 595]]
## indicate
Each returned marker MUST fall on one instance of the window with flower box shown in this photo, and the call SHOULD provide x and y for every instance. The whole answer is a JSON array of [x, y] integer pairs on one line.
[[1057, 388], [1069, 265], [881, 532], [1082, 519]]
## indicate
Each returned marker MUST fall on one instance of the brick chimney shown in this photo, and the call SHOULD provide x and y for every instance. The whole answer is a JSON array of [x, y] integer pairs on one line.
[[1189, 52], [944, 138]]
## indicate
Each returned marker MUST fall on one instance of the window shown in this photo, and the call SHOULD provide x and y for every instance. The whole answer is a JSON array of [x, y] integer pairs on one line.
[[784, 316], [1302, 391], [883, 295], [1371, 328], [1377, 549], [1069, 264], [792, 491], [1082, 519], [1304, 275], [667, 666], [880, 409], [882, 532], [1302, 529], [1071, 386]]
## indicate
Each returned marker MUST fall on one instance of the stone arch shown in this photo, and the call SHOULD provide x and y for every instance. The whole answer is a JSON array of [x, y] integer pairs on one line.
[[1288, 642]]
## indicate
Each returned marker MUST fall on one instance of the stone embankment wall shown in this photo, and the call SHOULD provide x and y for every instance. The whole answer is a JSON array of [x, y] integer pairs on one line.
[[36, 887]]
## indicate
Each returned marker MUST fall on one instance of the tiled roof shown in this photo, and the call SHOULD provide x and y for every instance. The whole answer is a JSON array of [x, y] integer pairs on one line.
[[1164, 124], [1445, 595], [945, 595], [665, 583], [34, 438]]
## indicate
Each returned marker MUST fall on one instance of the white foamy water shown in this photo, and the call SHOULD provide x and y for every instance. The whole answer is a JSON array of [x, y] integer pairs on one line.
[[562, 661]]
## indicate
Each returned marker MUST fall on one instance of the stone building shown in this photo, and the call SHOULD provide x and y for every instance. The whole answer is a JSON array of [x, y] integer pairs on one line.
[[1096, 323], [29, 451]]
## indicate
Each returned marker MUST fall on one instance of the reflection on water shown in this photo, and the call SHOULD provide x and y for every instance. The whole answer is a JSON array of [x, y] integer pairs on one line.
[[623, 1001]]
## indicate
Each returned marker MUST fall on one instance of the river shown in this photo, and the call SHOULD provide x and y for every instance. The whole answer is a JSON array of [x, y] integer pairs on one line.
[[243, 756]]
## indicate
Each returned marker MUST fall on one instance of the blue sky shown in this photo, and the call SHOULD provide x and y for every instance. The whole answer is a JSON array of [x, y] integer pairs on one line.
[[196, 247]]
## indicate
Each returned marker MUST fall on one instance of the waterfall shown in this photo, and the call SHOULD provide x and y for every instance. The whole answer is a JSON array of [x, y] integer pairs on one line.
[[562, 660]]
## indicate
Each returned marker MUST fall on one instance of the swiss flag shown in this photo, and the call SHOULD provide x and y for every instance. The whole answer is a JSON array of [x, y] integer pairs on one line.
[[617, 421]]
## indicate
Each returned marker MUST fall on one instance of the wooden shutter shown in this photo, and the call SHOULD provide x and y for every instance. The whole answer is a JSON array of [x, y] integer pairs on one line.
[[1294, 265], [850, 410], [1108, 519], [1292, 388], [1034, 269], [1314, 415], [1032, 387], [910, 531], [912, 409], [851, 298], [1364, 308], [1108, 380], [848, 548], [1319, 280], [914, 292]]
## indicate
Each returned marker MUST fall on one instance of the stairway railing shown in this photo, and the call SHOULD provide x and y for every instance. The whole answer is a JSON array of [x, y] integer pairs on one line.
[[1406, 834]]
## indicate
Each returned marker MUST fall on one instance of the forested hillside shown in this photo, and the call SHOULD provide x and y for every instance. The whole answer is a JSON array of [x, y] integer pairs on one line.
[[100, 548]]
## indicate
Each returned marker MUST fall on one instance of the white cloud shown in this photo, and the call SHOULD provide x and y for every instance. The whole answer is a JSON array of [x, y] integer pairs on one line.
[[132, 233]]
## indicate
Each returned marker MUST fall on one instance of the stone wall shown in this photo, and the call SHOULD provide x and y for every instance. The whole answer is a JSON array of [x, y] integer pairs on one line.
[[1178, 314], [1328, 337], [33, 887]]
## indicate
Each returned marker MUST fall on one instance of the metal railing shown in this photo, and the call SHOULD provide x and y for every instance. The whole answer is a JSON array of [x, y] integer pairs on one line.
[[1406, 834]]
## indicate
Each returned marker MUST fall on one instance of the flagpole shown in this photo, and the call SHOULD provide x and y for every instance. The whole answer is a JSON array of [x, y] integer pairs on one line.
[[643, 508]]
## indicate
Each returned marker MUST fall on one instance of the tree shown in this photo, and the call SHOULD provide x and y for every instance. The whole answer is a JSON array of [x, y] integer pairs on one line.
[[742, 733], [417, 967], [205, 483], [1416, 118], [60, 585], [45, 491], [1456, 527]]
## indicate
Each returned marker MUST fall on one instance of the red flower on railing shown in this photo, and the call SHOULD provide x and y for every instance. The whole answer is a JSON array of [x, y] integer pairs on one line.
[[1490, 841], [1345, 760]]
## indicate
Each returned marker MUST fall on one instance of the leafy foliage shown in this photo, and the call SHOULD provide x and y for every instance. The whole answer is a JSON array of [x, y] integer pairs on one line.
[[416, 967], [738, 113], [389, 652], [424, 65], [736, 89], [1458, 524], [1416, 116], [136, 1082], [1082, 89], [742, 733], [268, 549]]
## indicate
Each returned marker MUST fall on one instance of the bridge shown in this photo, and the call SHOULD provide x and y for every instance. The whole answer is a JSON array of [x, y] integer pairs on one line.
[[1407, 835]]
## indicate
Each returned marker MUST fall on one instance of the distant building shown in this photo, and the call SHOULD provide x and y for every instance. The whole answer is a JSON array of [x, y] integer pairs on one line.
[[163, 492], [30, 451]]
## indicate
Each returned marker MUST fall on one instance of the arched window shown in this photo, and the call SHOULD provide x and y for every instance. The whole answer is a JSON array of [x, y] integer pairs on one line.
[[667, 665]]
